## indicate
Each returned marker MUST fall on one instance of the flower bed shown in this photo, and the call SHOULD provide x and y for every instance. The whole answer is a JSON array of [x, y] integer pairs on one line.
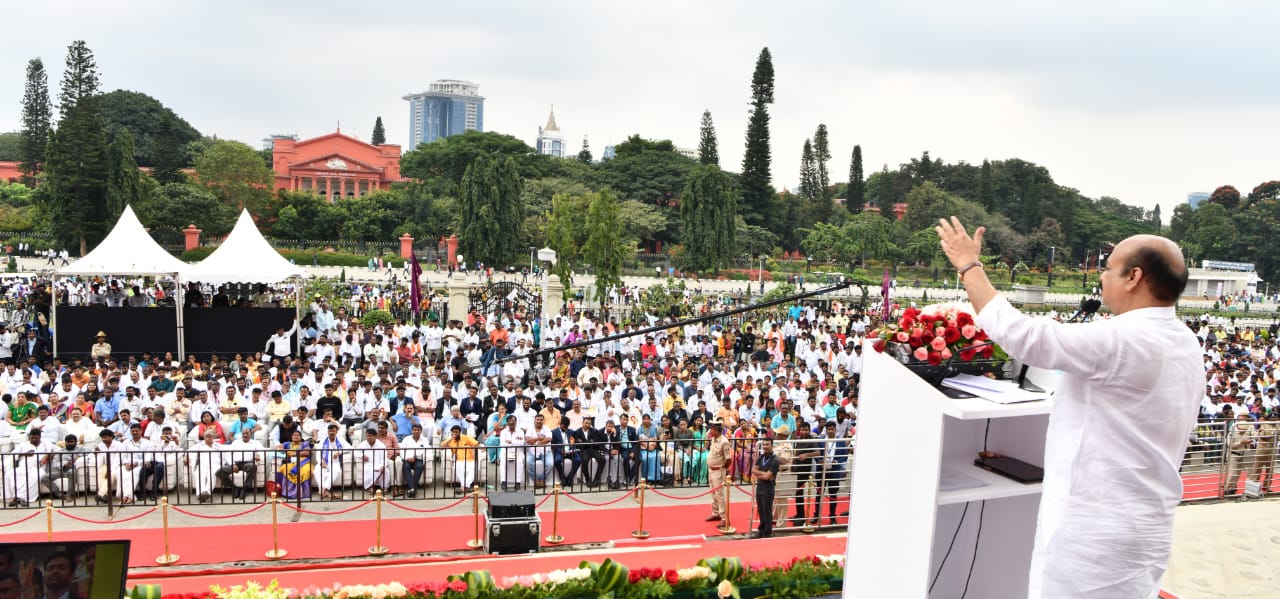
[[711, 578]]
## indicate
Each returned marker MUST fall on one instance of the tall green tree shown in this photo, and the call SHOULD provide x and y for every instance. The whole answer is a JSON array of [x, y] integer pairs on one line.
[[986, 189], [584, 155], [143, 117], [567, 233], [169, 153], [708, 151], [821, 156], [74, 195], [856, 193], [808, 174], [490, 219], [756, 179], [37, 122], [124, 180], [709, 211], [235, 172], [379, 135], [604, 249]]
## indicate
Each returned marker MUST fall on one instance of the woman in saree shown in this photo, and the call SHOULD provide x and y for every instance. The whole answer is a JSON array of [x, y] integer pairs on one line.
[[697, 456], [672, 459], [650, 461], [744, 447], [294, 475]]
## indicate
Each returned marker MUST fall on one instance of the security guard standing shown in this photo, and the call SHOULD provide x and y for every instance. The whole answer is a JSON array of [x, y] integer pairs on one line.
[[785, 452], [719, 456], [764, 471]]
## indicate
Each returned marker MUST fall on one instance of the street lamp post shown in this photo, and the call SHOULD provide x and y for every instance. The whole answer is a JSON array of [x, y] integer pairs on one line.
[[1084, 272], [531, 251], [1052, 250]]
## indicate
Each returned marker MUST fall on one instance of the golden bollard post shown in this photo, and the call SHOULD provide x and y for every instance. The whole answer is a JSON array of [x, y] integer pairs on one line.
[[48, 517], [167, 558], [377, 548], [726, 528], [276, 552], [555, 538], [641, 533], [809, 527], [476, 542]]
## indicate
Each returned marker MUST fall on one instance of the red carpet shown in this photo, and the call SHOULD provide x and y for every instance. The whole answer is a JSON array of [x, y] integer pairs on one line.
[[318, 538], [1205, 486], [670, 556]]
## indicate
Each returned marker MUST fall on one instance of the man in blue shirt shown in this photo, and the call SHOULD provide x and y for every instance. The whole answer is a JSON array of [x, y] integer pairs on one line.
[[244, 422], [784, 417], [404, 423], [107, 408]]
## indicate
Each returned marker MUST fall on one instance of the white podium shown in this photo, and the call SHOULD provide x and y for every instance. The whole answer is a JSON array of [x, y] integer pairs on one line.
[[913, 475]]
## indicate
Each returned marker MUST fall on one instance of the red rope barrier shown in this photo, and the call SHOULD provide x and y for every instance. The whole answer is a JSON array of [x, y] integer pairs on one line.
[[544, 500], [588, 503], [337, 513], [698, 496], [21, 520], [427, 511], [746, 492], [236, 515], [88, 521]]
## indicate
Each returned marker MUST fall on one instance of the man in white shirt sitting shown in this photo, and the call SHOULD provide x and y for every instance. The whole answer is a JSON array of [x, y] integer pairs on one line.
[[240, 469], [416, 455]]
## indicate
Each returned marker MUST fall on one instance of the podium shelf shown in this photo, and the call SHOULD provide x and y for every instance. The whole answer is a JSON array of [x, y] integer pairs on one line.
[[993, 486], [976, 408]]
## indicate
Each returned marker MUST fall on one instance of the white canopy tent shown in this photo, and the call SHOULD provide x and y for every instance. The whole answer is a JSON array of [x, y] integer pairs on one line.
[[244, 257], [128, 250]]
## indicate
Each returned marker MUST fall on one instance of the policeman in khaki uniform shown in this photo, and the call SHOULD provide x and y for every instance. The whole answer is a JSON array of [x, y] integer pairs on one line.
[[1242, 440], [784, 450], [1265, 457], [719, 456]]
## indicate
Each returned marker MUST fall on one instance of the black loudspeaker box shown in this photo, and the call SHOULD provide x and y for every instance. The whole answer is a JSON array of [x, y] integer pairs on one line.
[[511, 504], [508, 536]]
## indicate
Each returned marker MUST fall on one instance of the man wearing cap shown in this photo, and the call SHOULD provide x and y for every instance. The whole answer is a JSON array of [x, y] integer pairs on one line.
[[100, 350], [719, 456], [332, 449], [22, 474]]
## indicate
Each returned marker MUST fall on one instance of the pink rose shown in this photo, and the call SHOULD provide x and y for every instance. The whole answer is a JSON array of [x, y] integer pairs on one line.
[[938, 343], [902, 337], [945, 354], [968, 331], [921, 353]]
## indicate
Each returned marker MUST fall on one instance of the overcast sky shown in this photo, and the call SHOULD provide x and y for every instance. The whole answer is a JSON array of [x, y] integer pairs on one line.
[[1142, 100]]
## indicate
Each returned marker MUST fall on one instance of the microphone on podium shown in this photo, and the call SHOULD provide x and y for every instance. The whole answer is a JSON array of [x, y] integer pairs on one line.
[[1088, 308]]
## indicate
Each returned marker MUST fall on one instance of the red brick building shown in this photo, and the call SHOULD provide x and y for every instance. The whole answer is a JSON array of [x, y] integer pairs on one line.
[[335, 165]]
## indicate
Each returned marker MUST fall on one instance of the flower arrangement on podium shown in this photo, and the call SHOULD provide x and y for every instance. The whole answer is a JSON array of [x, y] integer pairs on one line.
[[943, 335]]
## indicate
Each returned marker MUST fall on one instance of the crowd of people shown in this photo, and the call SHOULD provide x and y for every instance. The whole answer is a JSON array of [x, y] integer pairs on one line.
[[427, 408]]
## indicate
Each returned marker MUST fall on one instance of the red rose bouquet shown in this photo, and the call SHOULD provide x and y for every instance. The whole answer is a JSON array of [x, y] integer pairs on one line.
[[936, 334]]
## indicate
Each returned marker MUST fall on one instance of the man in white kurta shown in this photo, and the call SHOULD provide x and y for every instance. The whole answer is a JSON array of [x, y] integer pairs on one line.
[[511, 455], [117, 460], [206, 459], [1122, 415], [22, 474], [371, 454], [329, 465]]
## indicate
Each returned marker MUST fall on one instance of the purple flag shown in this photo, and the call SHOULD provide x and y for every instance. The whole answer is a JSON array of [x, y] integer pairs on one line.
[[415, 288], [884, 291]]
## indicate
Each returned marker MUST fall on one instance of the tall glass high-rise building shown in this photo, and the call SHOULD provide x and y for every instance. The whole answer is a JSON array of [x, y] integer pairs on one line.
[[447, 108]]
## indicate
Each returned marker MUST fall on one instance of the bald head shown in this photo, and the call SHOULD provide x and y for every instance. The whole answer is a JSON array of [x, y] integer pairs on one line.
[[1155, 267]]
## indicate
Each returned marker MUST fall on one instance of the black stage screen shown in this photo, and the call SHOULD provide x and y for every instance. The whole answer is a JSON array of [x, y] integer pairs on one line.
[[131, 331]]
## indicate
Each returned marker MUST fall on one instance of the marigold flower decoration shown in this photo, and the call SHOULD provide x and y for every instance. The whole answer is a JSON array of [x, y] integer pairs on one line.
[[936, 334]]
